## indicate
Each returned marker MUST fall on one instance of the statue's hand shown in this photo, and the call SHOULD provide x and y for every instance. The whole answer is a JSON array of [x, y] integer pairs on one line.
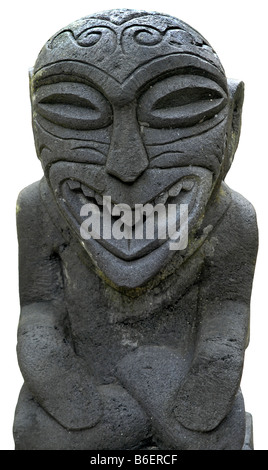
[[208, 392], [152, 375], [58, 379], [155, 377]]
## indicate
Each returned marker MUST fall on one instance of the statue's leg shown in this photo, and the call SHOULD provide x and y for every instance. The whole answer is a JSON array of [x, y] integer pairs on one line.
[[123, 425], [34, 429]]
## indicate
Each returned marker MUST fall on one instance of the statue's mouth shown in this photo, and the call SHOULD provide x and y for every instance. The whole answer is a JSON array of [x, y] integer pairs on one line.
[[129, 261], [132, 232]]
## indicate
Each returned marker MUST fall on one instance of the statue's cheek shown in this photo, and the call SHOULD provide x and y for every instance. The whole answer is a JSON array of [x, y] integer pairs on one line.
[[167, 149]]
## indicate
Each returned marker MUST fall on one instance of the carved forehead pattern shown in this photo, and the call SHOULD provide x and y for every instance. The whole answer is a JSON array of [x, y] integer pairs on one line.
[[120, 41]]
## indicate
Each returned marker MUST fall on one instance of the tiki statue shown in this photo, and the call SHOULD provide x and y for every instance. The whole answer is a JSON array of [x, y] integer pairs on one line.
[[130, 341]]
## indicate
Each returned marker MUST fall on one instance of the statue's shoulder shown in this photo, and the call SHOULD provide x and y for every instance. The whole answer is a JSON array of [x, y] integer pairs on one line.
[[243, 212], [33, 220], [239, 224], [29, 204]]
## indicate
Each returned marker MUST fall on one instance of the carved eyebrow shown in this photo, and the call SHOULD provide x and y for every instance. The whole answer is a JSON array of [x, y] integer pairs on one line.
[[193, 72], [62, 77], [72, 70], [166, 65]]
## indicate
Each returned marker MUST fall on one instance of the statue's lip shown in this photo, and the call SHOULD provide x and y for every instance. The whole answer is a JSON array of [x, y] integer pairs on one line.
[[77, 194], [94, 197]]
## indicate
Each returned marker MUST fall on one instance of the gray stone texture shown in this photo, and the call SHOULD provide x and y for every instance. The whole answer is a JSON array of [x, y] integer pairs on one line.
[[126, 344]]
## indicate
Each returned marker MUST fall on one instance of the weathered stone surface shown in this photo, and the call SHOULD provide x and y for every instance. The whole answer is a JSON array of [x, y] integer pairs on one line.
[[126, 343]]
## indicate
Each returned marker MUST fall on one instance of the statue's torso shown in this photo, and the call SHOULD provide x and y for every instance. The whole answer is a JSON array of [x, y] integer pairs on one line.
[[105, 325]]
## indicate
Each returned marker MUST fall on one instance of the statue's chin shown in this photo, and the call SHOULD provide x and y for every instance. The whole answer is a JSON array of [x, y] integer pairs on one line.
[[128, 274]]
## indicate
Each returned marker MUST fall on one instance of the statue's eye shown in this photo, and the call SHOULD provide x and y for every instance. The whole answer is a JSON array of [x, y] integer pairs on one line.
[[73, 105], [181, 101]]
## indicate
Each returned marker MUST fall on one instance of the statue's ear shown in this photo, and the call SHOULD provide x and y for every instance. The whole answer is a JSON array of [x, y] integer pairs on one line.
[[236, 96], [30, 73]]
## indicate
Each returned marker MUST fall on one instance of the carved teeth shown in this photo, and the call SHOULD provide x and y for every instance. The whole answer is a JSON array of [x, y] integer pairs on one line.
[[87, 191], [161, 199], [175, 190], [73, 184], [99, 199], [187, 185]]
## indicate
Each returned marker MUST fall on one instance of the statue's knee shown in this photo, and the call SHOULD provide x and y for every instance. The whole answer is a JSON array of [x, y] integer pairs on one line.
[[33, 428], [24, 427], [230, 434]]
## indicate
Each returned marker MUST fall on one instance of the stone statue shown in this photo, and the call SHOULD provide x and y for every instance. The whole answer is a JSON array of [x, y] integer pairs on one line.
[[129, 342]]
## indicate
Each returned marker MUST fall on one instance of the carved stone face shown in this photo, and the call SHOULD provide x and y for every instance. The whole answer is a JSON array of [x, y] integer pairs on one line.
[[134, 106]]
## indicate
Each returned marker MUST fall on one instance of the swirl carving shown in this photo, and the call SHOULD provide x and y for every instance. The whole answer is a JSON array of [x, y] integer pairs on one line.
[[91, 36], [147, 36]]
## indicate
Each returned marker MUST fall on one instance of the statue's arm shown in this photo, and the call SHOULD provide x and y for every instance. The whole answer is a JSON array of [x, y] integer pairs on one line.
[[209, 389], [58, 379]]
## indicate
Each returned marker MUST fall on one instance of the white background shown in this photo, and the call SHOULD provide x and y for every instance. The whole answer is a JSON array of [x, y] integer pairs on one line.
[[238, 32]]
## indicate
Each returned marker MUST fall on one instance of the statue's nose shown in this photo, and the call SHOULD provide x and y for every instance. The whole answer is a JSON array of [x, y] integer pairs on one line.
[[127, 157]]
